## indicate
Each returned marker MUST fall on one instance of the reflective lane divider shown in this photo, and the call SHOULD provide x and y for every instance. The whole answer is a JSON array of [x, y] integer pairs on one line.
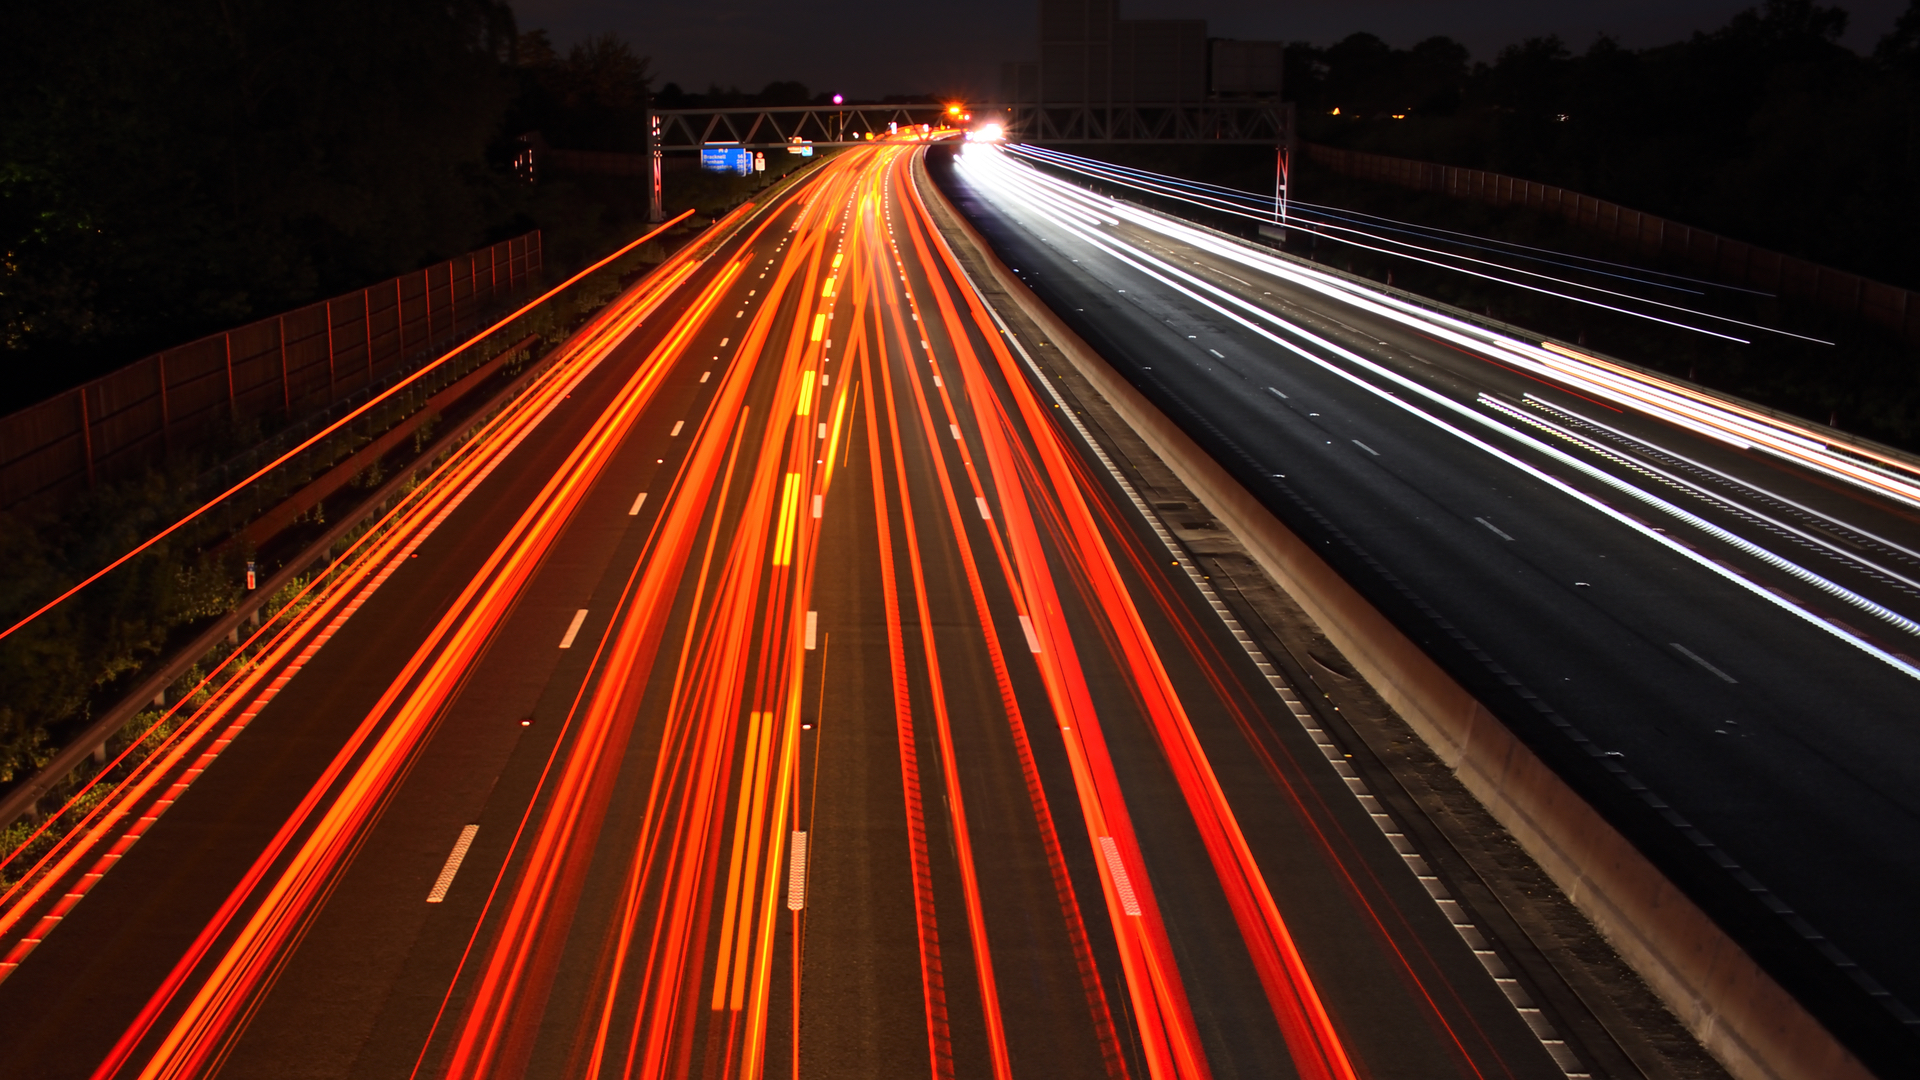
[[573, 628], [454, 859]]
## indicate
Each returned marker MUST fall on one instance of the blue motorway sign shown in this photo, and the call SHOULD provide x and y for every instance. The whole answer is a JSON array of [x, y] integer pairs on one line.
[[731, 159]]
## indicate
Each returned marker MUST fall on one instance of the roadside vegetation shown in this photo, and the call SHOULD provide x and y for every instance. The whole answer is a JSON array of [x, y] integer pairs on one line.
[[1765, 130]]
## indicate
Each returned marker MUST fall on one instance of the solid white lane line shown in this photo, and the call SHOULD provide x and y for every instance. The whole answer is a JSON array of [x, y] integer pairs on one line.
[[452, 867], [797, 872], [813, 627], [1496, 529], [677, 425], [573, 628], [1696, 658], [637, 504]]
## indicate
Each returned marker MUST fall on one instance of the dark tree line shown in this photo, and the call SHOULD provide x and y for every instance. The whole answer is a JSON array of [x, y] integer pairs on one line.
[[1766, 129], [171, 169]]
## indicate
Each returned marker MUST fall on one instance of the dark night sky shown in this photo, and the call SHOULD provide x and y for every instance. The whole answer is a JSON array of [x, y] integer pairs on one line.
[[873, 47]]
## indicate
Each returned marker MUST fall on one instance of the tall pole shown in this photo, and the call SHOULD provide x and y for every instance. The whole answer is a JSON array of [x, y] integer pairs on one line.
[[1280, 186], [656, 213]]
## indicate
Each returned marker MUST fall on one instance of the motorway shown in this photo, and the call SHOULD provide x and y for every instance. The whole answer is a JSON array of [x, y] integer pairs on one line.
[[782, 685], [1703, 619]]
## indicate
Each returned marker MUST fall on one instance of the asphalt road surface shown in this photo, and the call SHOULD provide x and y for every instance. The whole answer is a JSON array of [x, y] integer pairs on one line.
[[785, 685], [1711, 641]]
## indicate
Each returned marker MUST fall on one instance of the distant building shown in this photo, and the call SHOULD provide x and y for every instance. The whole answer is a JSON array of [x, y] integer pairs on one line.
[[1091, 56]]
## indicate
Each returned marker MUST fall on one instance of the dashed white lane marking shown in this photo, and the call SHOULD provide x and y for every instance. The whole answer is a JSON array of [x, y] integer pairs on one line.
[[677, 425], [936, 382], [1367, 448], [723, 341], [985, 514], [1497, 531], [1698, 659], [1122, 884], [797, 872], [573, 628], [638, 502], [1218, 353], [1277, 393], [813, 628], [704, 374], [454, 859], [955, 428], [819, 501], [1033, 640], [823, 430]]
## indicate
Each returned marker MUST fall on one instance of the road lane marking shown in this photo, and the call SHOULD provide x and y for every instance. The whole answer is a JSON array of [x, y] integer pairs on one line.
[[784, 528], [1033, 640], [1122, 884], [797, 872], [1276, 393], [1367, 448], [638, 502], [454, 859], [573, 628], [818, 502], [985, 514], [1698, 659], [1497, 531], [819, 327], [813, 628], [955, 428], [704, 374], [677, 425], [936, 382], [1218, 353], [723, 341]]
